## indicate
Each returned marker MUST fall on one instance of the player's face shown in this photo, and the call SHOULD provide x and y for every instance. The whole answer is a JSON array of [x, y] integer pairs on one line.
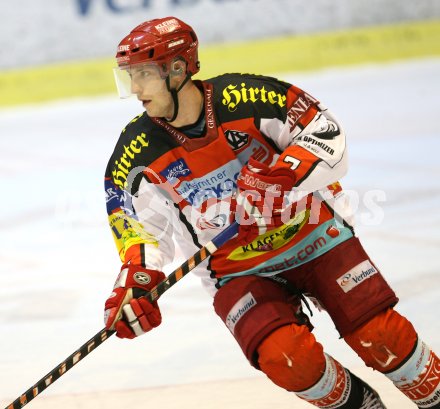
[[150, 88]]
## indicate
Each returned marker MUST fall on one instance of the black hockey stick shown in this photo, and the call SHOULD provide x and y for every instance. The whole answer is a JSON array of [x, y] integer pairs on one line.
[[102, 335]]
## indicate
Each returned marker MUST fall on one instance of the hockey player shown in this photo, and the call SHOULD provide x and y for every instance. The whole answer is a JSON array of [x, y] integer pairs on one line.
[[266, 153]]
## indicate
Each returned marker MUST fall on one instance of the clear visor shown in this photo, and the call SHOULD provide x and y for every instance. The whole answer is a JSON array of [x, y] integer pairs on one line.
[[134, 78]]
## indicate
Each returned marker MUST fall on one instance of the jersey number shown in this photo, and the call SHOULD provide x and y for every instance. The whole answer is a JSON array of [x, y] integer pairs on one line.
[[294, 163]]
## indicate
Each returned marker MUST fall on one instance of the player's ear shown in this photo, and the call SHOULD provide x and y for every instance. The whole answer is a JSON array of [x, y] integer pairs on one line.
[[178, 67]]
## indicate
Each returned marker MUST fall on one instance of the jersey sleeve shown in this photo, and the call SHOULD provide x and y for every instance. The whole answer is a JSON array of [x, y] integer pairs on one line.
[[141, 224], [311, 140]]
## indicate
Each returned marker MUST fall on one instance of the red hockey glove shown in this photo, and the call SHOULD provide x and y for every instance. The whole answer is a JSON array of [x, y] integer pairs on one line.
[[261, 190], [127, 313]]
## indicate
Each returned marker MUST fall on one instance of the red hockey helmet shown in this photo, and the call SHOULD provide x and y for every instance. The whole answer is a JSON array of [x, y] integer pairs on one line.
[[159, 42]]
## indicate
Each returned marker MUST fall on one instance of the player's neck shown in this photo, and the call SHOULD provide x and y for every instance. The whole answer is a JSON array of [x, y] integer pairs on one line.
[[190, 105]]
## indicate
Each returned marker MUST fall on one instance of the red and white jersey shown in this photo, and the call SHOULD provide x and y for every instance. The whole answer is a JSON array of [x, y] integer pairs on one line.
[[163, 186]]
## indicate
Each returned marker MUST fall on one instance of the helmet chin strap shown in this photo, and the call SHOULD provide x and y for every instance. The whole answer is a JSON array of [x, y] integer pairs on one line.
[[173, 93]]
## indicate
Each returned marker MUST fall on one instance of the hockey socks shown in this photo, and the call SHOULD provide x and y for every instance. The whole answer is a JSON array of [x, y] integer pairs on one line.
[[339, 388], [418, 377]]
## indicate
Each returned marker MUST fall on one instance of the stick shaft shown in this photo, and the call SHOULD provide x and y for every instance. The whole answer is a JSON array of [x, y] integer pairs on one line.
[[104, 334], [61, 369]]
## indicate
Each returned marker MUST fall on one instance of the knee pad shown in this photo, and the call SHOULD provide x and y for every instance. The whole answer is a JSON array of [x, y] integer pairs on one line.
[[384, 341], [291, 357]]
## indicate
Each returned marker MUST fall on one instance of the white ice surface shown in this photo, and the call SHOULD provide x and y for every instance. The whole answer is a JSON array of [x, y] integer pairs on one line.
[[58, 261]]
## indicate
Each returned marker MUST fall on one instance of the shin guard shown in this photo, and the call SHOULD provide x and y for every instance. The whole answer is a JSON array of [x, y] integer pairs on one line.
[[338, 388], [383, 342], [389, 344], [419, 377], [291, 357]]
